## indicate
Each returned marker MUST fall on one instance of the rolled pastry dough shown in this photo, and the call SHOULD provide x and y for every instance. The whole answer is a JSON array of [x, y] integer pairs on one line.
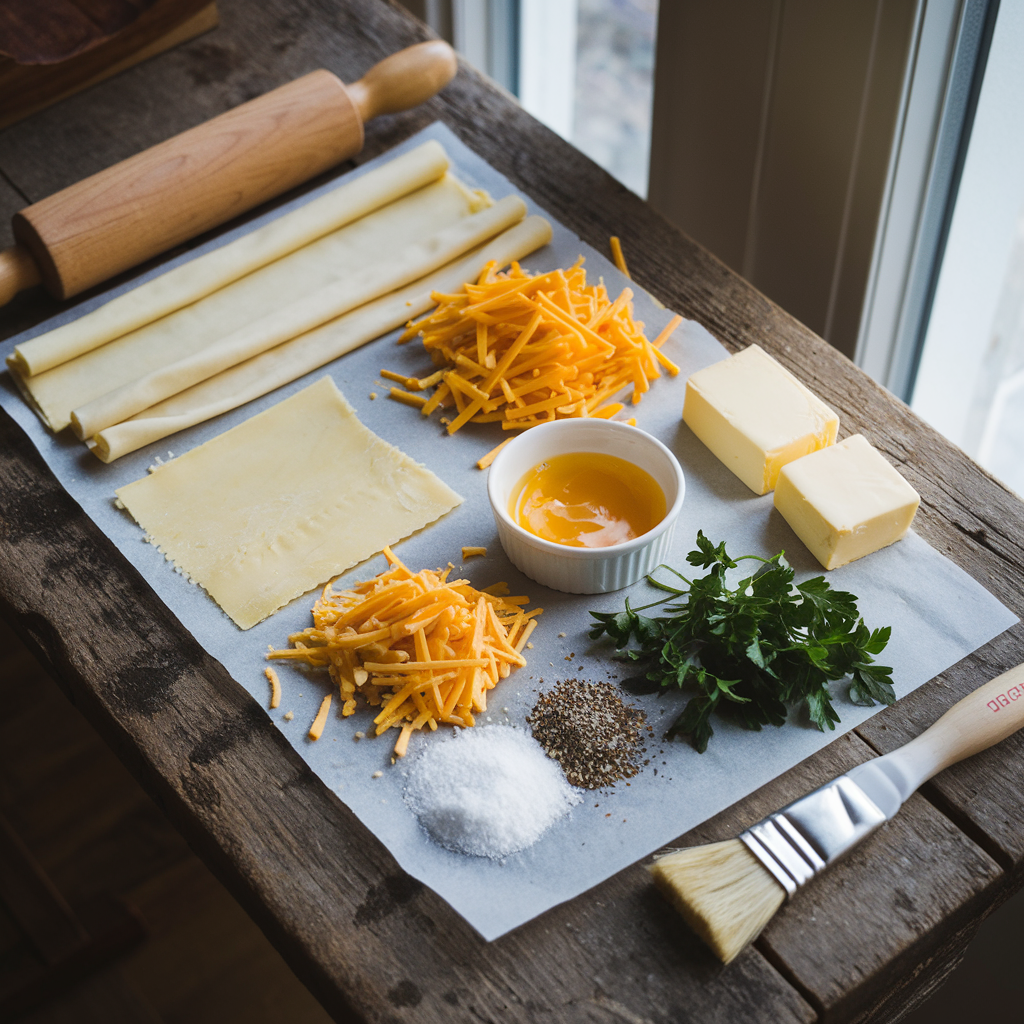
[[397, 269], [367, 242], [284, 502], [206, 274], [285, 363]]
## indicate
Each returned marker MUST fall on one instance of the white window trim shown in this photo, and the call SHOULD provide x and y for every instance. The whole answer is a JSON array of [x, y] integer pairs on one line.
[[934, 113], [957, 377], [547, 61], [903, 203]]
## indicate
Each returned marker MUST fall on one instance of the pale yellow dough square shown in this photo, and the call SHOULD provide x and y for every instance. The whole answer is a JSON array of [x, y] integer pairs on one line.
[[756, 416], [845, 502], [284, 502]]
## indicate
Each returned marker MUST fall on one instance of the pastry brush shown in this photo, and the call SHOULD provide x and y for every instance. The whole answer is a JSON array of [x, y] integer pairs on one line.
[[729, 891]]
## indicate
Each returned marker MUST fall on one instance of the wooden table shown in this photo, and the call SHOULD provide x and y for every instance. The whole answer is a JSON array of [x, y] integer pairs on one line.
[[870, 938]]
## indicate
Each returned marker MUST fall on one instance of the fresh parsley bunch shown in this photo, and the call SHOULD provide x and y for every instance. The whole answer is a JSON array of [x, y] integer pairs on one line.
[[753, 649]]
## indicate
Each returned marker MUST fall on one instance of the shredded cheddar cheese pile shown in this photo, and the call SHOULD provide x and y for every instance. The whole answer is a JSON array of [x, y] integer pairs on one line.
[[419, 646], [522, 349]]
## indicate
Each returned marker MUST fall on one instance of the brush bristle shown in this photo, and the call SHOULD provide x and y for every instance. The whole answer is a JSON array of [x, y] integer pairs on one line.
[[723, 892]]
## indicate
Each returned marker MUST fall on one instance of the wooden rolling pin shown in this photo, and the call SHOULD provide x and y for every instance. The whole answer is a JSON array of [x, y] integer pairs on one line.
[[203, 177]]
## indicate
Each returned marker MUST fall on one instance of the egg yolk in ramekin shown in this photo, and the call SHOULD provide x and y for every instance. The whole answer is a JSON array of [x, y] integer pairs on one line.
[[588, 500]]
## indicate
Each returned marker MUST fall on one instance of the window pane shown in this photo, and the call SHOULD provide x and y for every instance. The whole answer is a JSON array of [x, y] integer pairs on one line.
[[614, 86], [586, 69], [970, 384]]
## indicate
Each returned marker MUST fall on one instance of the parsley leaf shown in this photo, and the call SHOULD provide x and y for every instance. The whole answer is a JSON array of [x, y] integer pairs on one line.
[[749, 651]]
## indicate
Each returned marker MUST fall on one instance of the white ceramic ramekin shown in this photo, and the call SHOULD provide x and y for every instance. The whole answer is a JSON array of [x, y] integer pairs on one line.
[[584, 570]]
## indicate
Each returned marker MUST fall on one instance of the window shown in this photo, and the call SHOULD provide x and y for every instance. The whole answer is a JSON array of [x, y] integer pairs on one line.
[[970, 384], [583, 67]]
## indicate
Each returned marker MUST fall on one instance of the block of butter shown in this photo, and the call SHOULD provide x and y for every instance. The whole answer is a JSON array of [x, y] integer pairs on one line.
[[756, 416], [845, 501]]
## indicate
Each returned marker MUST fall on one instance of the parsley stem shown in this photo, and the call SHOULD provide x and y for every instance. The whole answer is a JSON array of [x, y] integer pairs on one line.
[[664, 586]]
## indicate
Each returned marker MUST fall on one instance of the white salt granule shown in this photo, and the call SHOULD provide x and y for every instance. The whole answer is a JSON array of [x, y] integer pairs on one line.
[[489, 792]]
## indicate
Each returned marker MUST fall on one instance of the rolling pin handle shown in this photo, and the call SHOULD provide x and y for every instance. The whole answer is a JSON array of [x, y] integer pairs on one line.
[[17, 271], [404, 80]]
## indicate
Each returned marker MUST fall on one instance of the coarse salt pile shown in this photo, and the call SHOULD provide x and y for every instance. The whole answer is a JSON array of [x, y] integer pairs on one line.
[[489, 792]]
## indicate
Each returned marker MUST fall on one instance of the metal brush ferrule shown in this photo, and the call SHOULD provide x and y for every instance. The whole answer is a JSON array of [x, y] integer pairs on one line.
[[803, 839]]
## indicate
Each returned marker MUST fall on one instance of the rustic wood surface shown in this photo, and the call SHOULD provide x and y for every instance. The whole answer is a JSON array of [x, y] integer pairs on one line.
[[868, 940]]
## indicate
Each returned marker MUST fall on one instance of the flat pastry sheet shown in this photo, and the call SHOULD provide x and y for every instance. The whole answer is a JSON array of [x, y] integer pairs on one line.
[[283, 502], [938, 614]]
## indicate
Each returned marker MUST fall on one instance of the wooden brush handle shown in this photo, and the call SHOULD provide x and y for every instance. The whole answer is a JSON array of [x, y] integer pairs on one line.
[[979, 721], [203, 177]]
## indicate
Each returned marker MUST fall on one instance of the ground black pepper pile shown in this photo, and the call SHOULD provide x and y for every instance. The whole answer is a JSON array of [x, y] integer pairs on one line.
[[586, 728]]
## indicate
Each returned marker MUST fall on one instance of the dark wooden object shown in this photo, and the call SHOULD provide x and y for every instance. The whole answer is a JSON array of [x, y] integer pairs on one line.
[[865, 942], [50, 31], [64, 51]]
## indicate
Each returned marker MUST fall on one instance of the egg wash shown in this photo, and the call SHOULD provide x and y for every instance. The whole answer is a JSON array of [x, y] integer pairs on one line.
[[587, 500]]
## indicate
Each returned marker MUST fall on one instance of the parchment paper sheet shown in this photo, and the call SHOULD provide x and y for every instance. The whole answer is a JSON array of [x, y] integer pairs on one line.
[[938, 613]]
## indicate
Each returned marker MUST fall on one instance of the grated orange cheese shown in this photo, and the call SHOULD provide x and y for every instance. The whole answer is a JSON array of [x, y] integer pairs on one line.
[[316, 730], [522, 349], [416, 401], [422, 648], [275, 687], [484, 462], [617, 257]]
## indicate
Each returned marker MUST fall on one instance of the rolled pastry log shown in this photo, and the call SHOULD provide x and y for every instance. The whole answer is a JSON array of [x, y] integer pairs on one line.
[[370, 241], [409, 264], [302, 355], [206, 274]]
